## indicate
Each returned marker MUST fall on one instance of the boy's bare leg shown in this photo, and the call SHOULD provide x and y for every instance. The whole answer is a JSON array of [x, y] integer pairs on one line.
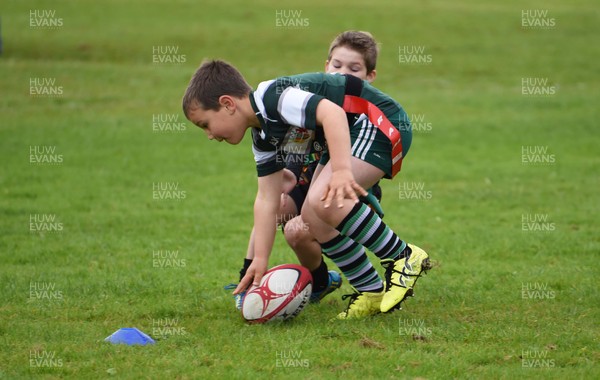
[[354, 220], [364, 173], [348, 255], [306, 247], [308, 251], [357, 223]]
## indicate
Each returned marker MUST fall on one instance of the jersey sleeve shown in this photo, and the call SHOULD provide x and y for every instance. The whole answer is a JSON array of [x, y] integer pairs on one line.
[[268, 159], [292, 104], [298, 107], [285, 106]]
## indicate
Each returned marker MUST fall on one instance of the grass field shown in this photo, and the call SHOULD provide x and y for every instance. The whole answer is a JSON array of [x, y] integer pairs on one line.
[[500, 186]]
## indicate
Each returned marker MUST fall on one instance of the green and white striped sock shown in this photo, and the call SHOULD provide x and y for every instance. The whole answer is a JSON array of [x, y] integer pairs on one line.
[[365, 227], [352, 260]]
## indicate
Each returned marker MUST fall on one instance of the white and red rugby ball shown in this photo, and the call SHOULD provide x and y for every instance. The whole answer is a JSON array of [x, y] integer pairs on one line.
[[283, 292]]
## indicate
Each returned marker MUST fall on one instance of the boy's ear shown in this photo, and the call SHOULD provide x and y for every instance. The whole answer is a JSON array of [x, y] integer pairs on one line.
[[227, 101], [371, 76]]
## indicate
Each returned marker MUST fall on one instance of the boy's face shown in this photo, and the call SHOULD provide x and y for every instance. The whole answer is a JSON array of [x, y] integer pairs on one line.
[[221, 125], [347, 61]]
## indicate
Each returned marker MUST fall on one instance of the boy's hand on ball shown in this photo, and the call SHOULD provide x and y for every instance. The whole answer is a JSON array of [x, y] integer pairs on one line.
[[254, 274]]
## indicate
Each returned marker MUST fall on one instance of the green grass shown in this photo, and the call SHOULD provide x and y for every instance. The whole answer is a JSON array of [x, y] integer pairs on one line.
[[474, 320]]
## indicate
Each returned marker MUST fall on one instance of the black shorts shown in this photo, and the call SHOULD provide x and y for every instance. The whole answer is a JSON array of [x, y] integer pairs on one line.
[[298, 193]]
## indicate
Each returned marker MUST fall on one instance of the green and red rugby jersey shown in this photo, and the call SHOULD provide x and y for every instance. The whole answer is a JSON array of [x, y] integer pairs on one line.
[[286, 109]]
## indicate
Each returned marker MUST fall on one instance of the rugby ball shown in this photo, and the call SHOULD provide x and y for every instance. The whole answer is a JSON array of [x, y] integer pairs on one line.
[[283, 292]]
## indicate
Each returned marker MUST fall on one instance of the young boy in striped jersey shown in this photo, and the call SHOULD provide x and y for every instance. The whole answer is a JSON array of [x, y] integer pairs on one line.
[[354, 53], [219, 101]]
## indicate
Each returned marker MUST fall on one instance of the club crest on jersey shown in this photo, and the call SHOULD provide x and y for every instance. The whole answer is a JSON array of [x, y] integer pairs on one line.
[[299, 135]]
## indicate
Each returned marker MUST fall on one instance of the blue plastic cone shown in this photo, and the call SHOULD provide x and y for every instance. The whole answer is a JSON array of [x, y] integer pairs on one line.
[[130, 336]]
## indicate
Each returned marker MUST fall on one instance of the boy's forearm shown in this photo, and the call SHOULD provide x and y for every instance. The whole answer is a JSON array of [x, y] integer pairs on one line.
[[264, 232], [266, 206], [342, 184], [337, 133]]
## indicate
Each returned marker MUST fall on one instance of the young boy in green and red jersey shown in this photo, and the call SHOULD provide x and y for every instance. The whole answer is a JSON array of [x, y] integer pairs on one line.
[[219, 101]]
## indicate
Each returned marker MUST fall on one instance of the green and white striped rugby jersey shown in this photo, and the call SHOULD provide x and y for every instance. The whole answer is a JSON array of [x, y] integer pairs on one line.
[[286, 109]]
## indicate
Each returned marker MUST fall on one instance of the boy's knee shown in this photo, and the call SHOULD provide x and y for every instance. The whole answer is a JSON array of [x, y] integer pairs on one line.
[[331, 215], [316, 206], [296, 233]]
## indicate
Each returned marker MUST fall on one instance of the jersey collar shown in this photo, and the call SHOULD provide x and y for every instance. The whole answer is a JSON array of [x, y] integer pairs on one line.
[[257, 110]]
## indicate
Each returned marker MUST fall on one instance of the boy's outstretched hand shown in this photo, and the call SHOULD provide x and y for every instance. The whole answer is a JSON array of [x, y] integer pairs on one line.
[[341, 186], [254, 274]]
